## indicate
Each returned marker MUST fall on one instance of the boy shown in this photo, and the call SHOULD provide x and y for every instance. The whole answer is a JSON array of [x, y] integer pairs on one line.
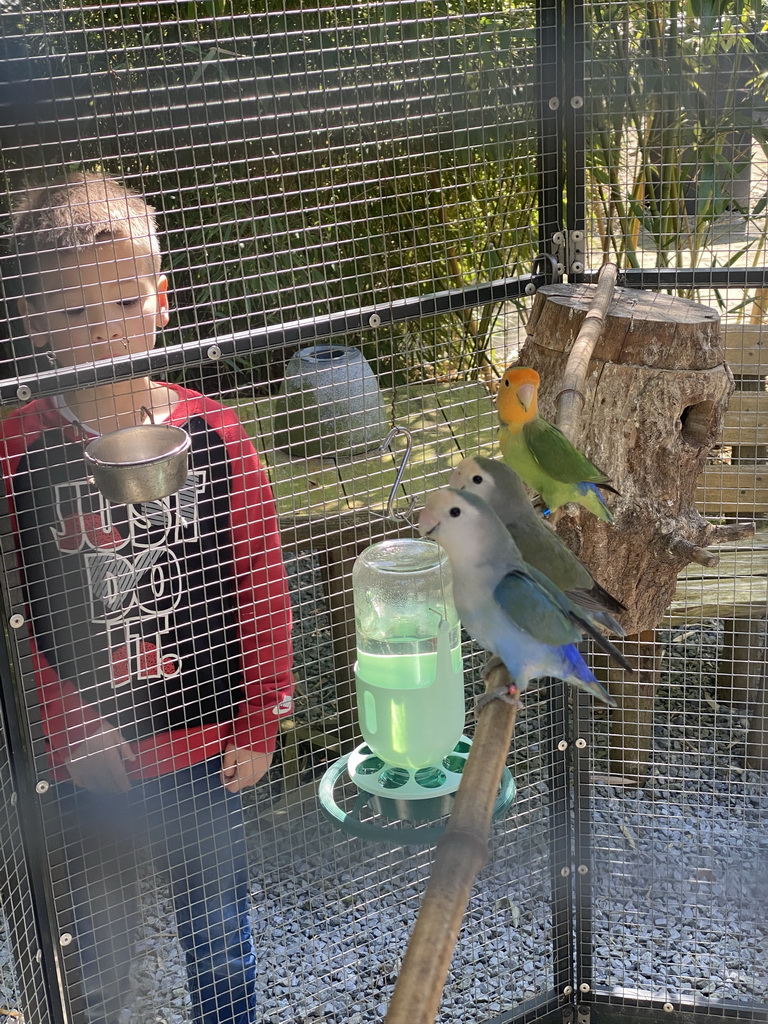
[[160, 631]]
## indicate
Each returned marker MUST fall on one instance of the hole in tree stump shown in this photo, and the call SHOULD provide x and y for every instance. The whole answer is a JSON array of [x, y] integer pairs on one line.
[[696, 424]]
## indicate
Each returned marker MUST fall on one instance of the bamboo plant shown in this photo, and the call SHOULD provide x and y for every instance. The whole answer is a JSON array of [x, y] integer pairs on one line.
[[677, 102]]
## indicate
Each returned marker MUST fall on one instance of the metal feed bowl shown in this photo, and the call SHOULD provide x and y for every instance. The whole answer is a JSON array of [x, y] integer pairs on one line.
[[141, 463]]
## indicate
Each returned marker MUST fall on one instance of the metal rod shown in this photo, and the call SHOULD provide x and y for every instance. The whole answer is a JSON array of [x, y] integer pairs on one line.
[[560, 842], [46, 956], [655, 279], [276, 336], [548, 65], [573, 116], [582, 729], [644, 1010]]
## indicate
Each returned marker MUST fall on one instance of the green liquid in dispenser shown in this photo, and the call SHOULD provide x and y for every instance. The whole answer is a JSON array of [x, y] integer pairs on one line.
[[408, 716]]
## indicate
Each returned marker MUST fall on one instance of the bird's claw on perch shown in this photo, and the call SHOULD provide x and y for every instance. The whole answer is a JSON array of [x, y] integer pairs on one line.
[[509, 692]]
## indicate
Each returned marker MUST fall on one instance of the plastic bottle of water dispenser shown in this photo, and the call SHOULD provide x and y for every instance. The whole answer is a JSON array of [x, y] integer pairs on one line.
[[409, 676]]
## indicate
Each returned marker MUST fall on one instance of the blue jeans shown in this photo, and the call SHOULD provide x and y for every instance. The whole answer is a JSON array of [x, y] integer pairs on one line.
[[195, 832]]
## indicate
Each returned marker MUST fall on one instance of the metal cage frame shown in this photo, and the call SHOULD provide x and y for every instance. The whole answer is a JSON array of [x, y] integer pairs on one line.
[[560, 33]]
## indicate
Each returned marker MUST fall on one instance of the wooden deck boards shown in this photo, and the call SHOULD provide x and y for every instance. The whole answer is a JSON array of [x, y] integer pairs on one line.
[[738, 584]]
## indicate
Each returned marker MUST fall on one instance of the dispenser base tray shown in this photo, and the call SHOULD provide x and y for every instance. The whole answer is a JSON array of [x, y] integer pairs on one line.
[[408, 799]]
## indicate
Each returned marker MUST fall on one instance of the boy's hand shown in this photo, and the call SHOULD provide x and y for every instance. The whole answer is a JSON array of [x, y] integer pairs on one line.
[[241, 768], [98, 763]]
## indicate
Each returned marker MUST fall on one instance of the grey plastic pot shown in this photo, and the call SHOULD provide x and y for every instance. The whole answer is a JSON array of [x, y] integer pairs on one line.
[[330, 404]]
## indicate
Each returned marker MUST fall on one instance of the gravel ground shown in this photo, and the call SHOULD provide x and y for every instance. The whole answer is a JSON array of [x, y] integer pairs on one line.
[[679, 877], [681, 866]]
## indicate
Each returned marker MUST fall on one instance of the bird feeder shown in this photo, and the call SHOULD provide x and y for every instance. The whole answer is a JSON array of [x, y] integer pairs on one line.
[[145, 462], [410, 695], [330, 405]]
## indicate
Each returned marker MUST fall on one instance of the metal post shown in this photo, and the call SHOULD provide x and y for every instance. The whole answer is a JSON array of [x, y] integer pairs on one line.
[[560, 842], [548, 67], [36, 949], [573, 128], [581, 748]]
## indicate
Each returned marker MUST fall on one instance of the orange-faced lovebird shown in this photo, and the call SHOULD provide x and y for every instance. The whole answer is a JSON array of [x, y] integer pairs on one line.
[[502, 489], [509, 607], [540, 453]]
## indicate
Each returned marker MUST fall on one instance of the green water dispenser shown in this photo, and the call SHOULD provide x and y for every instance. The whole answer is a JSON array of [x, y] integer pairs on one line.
[[410, 699], [409, 677]]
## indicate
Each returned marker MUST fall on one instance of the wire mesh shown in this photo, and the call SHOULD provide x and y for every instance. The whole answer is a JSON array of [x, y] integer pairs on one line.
[[678, 897], [314, 168], [672, 133], [20, 971], [304, 162], [672, 130]]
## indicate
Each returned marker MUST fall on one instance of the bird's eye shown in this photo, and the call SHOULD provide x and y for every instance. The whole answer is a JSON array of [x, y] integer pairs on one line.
[[477, 479], [455, 512], [505, 382]]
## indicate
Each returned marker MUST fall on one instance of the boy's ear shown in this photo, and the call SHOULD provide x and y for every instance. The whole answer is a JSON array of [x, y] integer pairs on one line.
[[163, 314]]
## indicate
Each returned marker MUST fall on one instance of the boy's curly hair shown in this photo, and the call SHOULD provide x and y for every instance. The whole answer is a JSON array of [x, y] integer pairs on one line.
[[77, 211]]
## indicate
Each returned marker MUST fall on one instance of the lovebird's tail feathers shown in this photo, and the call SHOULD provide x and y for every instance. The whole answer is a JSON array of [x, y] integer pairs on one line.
[[601, 639], [598, 612], [597, 599], [607, 620], [582, 678], [594, 501]]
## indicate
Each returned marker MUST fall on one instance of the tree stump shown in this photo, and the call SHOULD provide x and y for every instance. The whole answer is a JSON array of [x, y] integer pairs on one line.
[[654, 401]]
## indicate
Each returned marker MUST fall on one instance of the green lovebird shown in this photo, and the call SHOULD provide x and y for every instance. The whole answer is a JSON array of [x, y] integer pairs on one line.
[[540, 453], [502, 489]]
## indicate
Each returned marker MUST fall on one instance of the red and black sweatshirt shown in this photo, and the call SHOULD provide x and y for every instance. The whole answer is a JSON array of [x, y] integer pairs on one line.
[[168, 619]]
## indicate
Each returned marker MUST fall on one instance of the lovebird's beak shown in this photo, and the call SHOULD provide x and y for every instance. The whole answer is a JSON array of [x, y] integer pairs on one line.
[[525, 394], [428, 521]]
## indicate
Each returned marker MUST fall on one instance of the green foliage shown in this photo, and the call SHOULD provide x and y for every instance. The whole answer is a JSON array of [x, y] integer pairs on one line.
[[677, 97], [314, 159]]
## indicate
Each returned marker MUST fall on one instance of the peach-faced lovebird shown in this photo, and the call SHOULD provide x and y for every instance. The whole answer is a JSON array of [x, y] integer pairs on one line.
[[510, 608], [540, 453], [502, 489]]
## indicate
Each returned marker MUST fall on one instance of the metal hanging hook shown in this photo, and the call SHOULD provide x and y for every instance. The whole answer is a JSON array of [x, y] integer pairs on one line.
[[392, 512], [551, 272]]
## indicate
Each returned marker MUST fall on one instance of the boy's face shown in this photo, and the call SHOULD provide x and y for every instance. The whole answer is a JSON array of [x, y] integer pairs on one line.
[[97, 303]]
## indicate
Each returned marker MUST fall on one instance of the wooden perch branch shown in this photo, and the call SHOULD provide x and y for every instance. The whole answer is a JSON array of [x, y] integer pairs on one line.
[[699, 553], [461, 853], [693, 552], [570, 398], [732, 531]]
